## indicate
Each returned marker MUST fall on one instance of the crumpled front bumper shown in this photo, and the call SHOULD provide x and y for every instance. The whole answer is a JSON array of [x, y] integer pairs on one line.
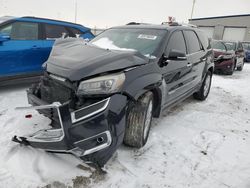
[[93, 132]]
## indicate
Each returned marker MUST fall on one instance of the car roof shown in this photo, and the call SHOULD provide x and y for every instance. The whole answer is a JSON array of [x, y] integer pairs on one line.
[[50, 21], [155, 26]]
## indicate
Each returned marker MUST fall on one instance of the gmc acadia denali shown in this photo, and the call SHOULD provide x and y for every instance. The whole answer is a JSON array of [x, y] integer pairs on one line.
[[101, 94]]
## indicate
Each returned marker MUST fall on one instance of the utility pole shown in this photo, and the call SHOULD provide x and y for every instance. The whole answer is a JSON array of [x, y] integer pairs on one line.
[[194, 1], [75, 11]]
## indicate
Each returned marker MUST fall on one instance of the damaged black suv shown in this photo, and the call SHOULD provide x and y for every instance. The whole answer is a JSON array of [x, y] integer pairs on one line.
[[101, 94]]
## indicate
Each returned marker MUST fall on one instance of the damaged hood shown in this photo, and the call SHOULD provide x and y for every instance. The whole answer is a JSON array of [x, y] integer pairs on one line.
[[74, 59]]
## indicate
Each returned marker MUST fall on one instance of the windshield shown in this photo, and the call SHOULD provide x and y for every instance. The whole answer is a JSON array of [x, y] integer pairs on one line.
[[218, 45], [146, 41], [246, 45], [5, 18], [230, 45]]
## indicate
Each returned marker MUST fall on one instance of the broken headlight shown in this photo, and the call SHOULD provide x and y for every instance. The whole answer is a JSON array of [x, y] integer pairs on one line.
[[102, 85]]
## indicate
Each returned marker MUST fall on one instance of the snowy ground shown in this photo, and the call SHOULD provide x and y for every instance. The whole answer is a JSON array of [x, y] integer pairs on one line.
[[196, 145]]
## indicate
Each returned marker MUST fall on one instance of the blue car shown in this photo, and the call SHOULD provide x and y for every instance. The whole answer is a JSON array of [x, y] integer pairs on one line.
[[26, 42], [246, 46]]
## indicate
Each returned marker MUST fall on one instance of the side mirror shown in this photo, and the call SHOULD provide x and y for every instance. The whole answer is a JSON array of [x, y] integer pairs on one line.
[[4, 37], [176, 55]]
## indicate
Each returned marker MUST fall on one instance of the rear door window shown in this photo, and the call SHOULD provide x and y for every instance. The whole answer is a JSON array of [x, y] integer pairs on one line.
[[55, 31], [193, 42]]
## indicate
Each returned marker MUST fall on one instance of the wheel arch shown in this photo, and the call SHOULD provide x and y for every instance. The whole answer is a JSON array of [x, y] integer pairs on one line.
[[146, 83]]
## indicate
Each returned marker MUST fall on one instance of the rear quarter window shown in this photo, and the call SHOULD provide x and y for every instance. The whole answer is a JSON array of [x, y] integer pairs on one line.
[[75, 31]]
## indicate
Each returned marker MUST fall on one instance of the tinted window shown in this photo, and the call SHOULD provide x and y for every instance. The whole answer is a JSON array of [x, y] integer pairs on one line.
[[21, 30], [218, 45], [177, 42], [55, 31], [246, 46], [6, 29], [230, 45], [192, 42], [240, 47], [204, 39]]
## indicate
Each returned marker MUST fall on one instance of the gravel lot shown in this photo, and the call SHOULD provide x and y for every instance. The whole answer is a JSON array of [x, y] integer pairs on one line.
[[196, 144]]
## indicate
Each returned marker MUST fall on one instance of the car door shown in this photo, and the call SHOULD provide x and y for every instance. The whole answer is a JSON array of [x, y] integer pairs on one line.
[[176, 72], [51, 32], [22, 54], [196, 56]]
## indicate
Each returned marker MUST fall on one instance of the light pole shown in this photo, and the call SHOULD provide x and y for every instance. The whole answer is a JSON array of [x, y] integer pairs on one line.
[[75, 11], [194, 1]]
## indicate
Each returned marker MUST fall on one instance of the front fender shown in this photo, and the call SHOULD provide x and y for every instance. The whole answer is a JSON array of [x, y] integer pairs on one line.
[[136, 87]]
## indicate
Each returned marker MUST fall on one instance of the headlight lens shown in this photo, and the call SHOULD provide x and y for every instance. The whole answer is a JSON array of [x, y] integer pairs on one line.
[[102, 85]]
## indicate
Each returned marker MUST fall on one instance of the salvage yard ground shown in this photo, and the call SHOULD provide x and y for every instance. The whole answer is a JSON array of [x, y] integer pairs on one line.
[[196, 145]]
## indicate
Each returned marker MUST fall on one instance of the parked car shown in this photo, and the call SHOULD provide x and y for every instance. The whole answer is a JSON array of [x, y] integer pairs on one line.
[[101, 94], [238, 51], [26, 42], [224, 58], [246, 47]]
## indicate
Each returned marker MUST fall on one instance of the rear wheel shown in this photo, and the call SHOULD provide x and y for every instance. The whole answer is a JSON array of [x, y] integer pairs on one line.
[[138, 123], [205, 87], [240, 68]]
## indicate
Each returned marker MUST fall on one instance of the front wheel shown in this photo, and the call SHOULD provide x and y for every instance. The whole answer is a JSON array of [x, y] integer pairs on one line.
[[240, 68], [138, 122], [205, 87]]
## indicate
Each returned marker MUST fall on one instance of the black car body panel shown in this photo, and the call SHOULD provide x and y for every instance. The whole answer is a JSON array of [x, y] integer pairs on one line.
[[92, 126], [74, 59]]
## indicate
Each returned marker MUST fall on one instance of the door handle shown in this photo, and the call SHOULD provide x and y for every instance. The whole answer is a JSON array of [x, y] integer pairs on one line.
[[189, 64], [36, 47]]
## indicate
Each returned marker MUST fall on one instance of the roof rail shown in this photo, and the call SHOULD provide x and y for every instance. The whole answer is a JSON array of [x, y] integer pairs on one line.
[[171, 23], [51, 20], [190, 25], [137, 23], [178, 24]]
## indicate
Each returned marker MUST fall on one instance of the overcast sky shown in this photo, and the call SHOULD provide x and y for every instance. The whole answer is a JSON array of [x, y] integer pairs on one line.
[[107, 13]]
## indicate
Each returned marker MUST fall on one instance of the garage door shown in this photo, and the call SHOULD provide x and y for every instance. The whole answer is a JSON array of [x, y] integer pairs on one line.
[[209, 31], [234, 34]]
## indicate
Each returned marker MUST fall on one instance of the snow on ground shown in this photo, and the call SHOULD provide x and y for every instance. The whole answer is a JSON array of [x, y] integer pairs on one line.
[[196, 145]]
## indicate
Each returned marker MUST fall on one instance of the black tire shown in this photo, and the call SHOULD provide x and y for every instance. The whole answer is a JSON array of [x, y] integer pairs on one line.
[[205, 88], [230, 72], [138, 122], [240, 68]]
